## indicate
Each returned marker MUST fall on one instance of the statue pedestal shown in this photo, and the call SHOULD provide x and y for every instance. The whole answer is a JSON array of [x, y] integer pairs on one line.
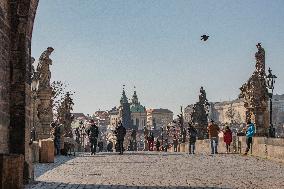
[[44, 113], [46, 151], [261, 120]]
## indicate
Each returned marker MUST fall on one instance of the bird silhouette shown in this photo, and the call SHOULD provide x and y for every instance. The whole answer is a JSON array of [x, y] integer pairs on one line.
[[204, 37]]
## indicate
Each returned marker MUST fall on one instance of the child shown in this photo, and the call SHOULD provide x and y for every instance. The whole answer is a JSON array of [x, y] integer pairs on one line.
[[228, 138]]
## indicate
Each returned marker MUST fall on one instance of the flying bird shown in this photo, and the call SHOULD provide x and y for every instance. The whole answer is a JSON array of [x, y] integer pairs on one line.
[[204, 37]]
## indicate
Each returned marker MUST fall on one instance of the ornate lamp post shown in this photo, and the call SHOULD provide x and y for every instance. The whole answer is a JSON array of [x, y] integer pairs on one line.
[[270, 85]]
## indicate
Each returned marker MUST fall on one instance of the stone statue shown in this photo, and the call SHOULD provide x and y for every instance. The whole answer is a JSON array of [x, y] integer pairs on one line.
[[255, 94], [199, 115], [64, 114], [32, 68], [260, 60], [43, 70]]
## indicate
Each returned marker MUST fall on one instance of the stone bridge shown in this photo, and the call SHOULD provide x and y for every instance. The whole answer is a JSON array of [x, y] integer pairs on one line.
[[159, 170]]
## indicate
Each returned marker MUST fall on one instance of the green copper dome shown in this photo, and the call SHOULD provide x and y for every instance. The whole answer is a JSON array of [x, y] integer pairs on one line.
[[137, 108]]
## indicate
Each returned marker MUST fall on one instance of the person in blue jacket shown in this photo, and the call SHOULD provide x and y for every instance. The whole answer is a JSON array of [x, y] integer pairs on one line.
[[249, 134]]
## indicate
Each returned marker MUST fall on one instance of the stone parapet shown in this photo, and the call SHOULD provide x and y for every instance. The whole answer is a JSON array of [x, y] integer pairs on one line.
[[271, 148]]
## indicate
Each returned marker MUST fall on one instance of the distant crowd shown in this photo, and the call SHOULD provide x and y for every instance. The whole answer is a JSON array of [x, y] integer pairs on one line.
[[150, 143]]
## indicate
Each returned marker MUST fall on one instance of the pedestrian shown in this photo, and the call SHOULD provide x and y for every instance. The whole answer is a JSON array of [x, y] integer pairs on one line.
[[151, 141], [175, 144], [213, 131], [166, 145], [109, 146], [120, 133], [192, 133], [228, 137], [56, 132], [101, 145], [93, 133], [158, 145], [250, 131]]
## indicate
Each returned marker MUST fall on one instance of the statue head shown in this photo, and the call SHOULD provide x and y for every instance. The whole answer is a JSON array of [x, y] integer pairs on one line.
[[49, 50], [258, 45]]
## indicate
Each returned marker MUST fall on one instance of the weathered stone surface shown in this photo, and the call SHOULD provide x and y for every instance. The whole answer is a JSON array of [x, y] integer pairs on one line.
[[159, 170], [11, 171]]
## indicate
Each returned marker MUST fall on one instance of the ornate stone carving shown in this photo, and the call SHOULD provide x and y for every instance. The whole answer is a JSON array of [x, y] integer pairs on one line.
[[255, 94], [43, 70], [44, 94]]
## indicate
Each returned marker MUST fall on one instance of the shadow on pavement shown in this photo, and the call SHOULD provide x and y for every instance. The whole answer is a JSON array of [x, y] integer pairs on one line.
[[55, 185], [41, 168]]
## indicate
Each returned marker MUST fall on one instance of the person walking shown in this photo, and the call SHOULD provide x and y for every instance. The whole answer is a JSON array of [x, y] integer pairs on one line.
[[213, 131], [192, 133], [120, 133], [93, 133], [250, 131], [158, 145], [228, 137], [56, 132], [175, 144], [151, 141]]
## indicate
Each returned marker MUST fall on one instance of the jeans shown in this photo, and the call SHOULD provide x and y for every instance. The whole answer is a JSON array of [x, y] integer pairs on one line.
[[57, 145], [249, 143], [214, 145], [191, 147]]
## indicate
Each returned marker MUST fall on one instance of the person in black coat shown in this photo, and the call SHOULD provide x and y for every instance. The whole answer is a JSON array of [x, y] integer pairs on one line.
[[120, 133], [93, 133], [192, 133]]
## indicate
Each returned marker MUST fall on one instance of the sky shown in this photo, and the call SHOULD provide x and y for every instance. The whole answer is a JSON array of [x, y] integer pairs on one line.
[[155, 45]]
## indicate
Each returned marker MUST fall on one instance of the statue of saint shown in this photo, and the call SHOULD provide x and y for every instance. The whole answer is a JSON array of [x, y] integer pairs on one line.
[[260, 59], [43, 70]]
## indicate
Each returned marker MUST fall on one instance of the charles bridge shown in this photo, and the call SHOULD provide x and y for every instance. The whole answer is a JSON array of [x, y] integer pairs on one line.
[[264, 169]]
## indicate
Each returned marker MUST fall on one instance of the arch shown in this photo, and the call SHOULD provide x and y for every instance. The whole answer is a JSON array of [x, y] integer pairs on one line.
[[17, 19]]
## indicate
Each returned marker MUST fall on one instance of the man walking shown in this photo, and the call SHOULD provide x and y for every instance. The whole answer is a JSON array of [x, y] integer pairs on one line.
[[120, 134], [192, 134], [213, 131], [250, 131], [56, 133], [93, 133]]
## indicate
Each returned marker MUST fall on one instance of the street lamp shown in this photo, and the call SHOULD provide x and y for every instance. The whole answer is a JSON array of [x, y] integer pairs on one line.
[[270, 85]]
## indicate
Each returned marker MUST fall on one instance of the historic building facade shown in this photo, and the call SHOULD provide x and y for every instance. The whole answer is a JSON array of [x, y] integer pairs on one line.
[[157, 118], [234, 111], [138, 113]]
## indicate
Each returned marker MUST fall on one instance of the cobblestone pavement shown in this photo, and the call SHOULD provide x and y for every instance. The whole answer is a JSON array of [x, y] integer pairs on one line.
[[159, 170]]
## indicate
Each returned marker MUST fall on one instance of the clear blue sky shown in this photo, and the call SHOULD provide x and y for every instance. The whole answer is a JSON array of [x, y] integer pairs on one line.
[[155, 45]]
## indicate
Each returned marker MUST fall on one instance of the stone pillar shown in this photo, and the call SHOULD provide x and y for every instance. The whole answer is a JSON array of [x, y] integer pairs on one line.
[[44, 113]]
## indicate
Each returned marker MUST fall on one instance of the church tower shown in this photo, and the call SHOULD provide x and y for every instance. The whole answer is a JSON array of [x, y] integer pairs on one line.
[[125, 111]]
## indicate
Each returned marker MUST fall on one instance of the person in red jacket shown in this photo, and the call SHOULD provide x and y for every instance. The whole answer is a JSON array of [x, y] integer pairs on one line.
[[228, 138]]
